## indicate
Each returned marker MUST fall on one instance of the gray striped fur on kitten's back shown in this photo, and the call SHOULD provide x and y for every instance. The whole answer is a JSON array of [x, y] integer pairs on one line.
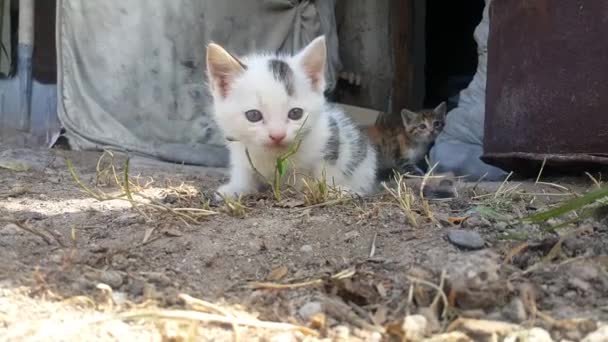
[[347, 147]]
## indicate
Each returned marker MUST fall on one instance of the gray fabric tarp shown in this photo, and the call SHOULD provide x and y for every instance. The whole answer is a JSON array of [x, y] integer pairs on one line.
[[131, 73]]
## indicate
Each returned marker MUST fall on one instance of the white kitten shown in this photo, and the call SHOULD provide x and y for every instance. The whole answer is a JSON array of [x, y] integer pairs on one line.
[[261, 102]]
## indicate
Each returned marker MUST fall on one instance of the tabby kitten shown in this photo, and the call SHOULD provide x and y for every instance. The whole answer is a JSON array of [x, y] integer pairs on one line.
[[262, 101], [401, 146]]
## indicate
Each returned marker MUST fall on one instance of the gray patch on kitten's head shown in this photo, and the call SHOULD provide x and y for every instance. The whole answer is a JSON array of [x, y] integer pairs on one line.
[[282, 73], [332, 148]]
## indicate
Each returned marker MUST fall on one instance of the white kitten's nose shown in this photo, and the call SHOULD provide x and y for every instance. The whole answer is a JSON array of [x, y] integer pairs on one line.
[[277, 137]]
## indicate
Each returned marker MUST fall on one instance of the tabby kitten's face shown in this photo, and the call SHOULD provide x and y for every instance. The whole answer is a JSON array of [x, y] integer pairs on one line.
[[424, 126]]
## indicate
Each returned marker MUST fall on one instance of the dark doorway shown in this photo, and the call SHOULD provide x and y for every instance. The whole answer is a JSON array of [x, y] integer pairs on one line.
[[451, 51]]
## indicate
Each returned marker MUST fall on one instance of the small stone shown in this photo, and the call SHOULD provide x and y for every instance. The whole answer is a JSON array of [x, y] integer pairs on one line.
[[375, 337], [308, 310], [599, 335], [159, 279], [585, 271], [466, 239], [415, 327], [342, 333], [240, 252], [111, 278], [120, 262], [306, 249], [579, 284], [532, 335], [119, 297], [56, 258], [284, 337], [11, 229], [136, 287], [515, 311], [501, 225]]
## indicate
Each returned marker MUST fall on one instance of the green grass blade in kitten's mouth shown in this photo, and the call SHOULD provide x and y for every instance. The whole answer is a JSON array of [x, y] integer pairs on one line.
[[281, 163]]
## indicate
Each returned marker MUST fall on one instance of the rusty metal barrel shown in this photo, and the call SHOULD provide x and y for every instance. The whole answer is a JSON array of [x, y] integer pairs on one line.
[[547, 85]]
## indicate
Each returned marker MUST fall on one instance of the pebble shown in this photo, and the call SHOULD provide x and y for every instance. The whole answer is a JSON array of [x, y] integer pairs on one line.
[[466, 239], [579, 284], [111, 278], [308, 310], [599, 335], [415, 327], [532, 335], [158, 279], [136, 287], [515, 311], [284, 337], [306, 249], [501, 226], [342, 333]]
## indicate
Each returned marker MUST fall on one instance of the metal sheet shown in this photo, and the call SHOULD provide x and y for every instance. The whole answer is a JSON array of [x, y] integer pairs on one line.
[[547, 94]]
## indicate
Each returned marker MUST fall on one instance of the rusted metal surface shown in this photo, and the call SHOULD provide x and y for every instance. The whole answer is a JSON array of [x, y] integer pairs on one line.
[[547, 88]]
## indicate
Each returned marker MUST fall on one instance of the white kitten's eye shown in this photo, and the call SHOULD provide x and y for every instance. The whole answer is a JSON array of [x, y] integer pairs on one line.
[[437, 124], [295, 113], [422, 126], [253, 115]]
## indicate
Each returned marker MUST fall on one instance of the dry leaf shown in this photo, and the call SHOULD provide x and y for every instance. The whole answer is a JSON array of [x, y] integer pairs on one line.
[[278, 273], [318, 321], [457, 220], [514, 252]]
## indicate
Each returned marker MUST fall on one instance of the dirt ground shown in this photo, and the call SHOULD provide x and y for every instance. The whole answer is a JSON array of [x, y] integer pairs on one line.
[[349, 270]]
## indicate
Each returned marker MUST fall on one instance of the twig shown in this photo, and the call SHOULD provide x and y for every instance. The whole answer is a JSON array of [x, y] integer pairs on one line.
[[561, 187], [343, 311], [204, 306], [540, 172], [324, 204], [274, 286], [214, 318], [437, 288], [594, 180], [80, 184], [502, 185], [24, 227], [372, 249]]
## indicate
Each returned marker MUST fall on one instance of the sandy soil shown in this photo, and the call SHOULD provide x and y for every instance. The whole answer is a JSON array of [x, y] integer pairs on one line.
[[357, 268]]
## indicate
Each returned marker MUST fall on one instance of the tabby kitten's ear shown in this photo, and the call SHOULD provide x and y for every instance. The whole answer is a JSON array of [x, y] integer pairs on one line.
[[408, 117], [222, 69], [441, 110]]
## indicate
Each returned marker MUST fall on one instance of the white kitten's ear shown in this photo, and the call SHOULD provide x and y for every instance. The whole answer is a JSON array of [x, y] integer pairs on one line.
[[312, 58], [407, 116], [222, 69], [440, 110]]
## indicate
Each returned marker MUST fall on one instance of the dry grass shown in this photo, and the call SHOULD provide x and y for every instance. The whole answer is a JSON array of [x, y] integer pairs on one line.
[[404, 196], [133, 193], [234, 206]]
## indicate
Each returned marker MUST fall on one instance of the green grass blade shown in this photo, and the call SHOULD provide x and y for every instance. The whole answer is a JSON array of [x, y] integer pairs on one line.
[[569, 206]]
